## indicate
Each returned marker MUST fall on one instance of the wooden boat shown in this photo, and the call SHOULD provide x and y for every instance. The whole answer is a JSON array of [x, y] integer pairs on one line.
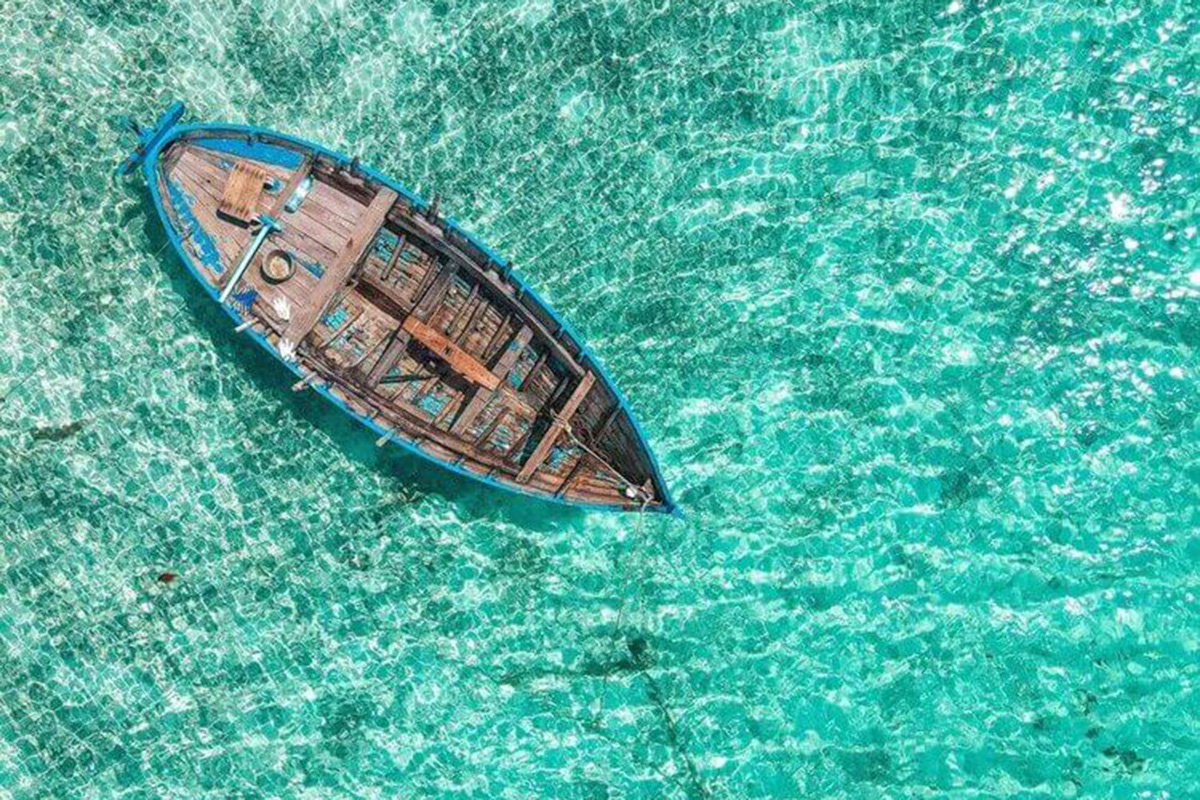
[[395, 314]]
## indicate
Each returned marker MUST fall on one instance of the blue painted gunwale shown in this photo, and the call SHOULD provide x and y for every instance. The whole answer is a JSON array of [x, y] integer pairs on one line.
[[169, 131]]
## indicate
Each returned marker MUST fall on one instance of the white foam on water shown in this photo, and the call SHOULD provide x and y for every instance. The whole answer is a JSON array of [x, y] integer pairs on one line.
[[1120, 207]]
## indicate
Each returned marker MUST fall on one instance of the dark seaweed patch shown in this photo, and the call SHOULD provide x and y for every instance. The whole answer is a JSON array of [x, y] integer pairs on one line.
[[57, 433]]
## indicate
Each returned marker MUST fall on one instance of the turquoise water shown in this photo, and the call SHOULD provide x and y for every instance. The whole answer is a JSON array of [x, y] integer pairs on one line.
[[904, 294]]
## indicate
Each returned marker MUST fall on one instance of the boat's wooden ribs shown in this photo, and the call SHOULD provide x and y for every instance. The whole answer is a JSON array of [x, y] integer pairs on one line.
[[338, 273], [485, 277], [561, 420], [500, 370], [461, 315], [537, 365], [433, 295], [391, 355], [574, 472], [397, 249], [603, 427]]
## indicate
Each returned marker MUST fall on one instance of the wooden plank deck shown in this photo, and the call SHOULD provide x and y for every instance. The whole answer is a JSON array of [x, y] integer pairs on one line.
[[335, 277]]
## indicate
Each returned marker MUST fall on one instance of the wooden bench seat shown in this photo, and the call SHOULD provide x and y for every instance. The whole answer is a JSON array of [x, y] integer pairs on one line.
[[243, 189]]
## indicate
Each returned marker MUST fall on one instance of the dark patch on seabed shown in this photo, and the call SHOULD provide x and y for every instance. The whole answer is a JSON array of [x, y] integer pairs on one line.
[[57, 433]]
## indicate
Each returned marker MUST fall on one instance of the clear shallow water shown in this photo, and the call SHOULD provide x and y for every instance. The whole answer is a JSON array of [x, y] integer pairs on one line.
[[905, 296]]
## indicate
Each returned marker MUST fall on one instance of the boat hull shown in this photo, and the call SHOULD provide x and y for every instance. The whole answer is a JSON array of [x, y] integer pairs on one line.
[[597, 473]]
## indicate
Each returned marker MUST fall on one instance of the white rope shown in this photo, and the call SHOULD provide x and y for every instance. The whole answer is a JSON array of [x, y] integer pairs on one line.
[[638, 491], [640, 536]]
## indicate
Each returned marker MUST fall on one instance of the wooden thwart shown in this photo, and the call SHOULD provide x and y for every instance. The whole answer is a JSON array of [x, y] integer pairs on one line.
[[561, 420], [338, 273], [242, 191], [504, 366], [459, 360]]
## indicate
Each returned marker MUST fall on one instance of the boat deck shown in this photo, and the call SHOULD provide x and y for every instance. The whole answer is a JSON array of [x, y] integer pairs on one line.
[[388, 310]]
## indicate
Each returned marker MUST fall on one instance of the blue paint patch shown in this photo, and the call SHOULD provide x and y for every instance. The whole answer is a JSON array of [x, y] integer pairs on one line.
[[206, 248], [259, 151], [504, 437], [245, 300], [522, 368], [334, 319], [314, 268], [501, 438], [432, 404], [557, 456], [385, 244]]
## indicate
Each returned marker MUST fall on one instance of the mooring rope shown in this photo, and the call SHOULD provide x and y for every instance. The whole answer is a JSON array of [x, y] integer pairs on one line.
[[697, 784], [639, 492], [616, 634], [639, 537]]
